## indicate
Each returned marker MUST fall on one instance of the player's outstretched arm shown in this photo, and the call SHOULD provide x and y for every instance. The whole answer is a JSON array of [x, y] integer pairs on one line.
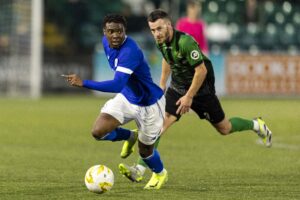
[[114, 86]]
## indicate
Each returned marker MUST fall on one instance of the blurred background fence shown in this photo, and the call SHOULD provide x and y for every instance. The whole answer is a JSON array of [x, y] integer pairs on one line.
[[254, 44]]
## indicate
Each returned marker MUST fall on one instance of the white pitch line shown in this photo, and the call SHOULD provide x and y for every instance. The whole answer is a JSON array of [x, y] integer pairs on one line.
[[286, 146], [281, 145]]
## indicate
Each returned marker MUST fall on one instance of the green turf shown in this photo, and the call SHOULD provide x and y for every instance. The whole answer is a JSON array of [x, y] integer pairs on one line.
[[46, 148]]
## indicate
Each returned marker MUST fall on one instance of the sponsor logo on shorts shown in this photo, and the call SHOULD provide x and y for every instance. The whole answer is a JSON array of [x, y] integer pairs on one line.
[[207, 116]]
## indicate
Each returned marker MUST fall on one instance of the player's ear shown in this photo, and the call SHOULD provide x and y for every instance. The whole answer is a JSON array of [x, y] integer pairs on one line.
[[104, 31], [168, 22]]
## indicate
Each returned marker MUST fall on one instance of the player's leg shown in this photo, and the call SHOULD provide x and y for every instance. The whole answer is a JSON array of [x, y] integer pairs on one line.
[[105, 126], [141, 166], [237, 124], [150, 120], [135, 172], [211, 109], [113, 113], [168, 122], [151, 157]]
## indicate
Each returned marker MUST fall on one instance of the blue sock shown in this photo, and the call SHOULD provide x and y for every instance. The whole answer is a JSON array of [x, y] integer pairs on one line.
[[154, 162], [117, 135]]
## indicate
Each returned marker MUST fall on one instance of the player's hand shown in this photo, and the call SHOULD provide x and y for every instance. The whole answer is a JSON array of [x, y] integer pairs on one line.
[[73, 80], [184, 103]]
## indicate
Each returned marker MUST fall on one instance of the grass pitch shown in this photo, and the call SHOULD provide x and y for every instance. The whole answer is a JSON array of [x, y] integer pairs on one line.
[[46, 148]]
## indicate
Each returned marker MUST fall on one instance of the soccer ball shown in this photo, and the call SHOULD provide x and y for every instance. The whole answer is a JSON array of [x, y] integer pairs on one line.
[[99, 179]]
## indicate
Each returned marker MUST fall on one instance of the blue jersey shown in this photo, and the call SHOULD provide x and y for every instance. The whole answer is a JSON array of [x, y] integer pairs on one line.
[[129, 59]]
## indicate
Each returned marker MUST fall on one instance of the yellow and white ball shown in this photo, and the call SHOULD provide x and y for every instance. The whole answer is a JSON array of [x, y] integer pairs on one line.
[[99, 179]]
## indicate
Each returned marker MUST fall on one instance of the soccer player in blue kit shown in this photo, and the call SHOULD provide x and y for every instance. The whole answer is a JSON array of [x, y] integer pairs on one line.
[[138, 98]]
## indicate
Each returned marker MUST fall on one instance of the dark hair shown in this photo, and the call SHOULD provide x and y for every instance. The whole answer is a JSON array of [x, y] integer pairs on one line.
[[116, 18], [158, 14]]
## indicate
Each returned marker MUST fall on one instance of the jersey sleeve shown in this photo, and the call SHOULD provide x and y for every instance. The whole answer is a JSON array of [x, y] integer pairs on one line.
[[128, 60], [191, 51], [116, 85]]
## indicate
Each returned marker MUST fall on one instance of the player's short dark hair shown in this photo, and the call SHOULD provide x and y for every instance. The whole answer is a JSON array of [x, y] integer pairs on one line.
[[116, 18], [158, 14]]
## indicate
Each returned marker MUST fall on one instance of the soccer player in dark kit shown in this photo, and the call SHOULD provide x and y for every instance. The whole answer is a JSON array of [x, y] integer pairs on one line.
[[192, 87]]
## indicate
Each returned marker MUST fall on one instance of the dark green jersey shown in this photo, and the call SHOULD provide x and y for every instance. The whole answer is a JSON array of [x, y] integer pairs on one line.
[[183, 55]]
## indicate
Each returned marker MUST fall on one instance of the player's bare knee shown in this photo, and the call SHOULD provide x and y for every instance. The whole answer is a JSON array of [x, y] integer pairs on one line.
[[223, 132], [98, 133]]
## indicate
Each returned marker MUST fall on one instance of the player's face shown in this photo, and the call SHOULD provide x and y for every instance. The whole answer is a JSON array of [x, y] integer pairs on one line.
[[115, 33], [160, 30]]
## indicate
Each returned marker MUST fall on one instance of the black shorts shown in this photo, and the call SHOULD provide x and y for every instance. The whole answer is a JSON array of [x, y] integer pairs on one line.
[[207, 107]]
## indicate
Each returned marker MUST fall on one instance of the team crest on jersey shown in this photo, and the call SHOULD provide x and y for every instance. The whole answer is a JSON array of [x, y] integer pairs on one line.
[[195, 54]]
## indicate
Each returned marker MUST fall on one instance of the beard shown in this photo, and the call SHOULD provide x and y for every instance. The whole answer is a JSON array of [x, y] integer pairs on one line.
[[165, 39]]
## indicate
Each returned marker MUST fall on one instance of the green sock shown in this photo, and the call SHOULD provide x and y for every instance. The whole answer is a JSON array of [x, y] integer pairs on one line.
[[140, 160], [240, 124]]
